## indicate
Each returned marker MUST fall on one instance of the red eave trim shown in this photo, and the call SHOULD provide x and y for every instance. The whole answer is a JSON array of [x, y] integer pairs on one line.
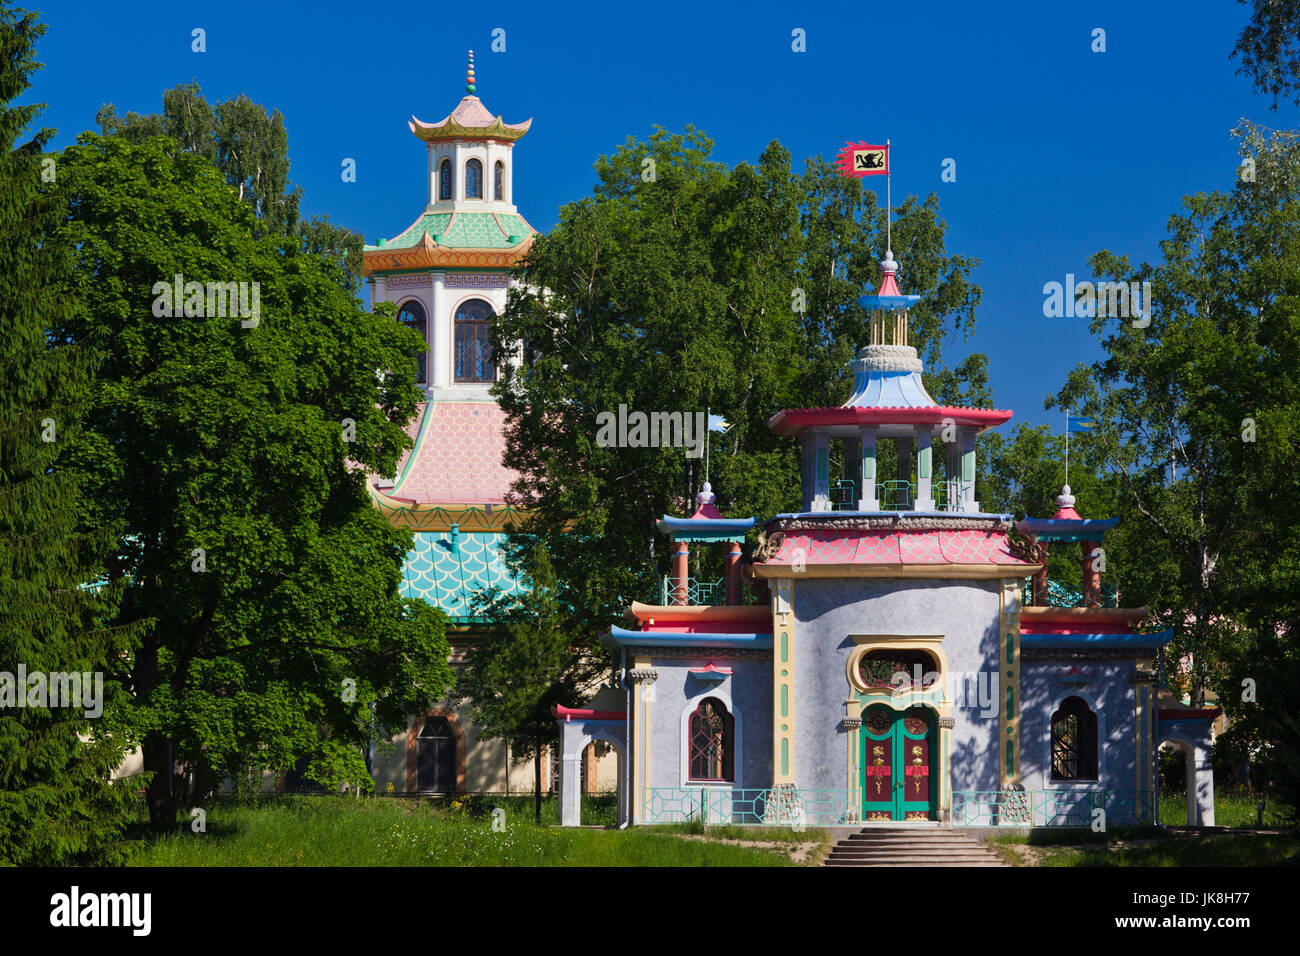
[[793, 420], [1189, 713], [568, 713]]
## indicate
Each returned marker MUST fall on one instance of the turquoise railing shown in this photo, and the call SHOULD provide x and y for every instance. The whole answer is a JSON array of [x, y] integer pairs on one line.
[[1051, 808], [1062, 595], [844, 495], [697, 592], [722, 805], [895, 495]]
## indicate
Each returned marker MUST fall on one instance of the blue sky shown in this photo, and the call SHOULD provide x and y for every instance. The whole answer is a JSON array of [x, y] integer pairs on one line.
[[1059, 151]]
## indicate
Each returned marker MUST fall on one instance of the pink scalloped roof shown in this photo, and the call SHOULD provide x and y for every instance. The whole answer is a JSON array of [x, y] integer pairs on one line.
[[898, 547], [792, 420], [459, 459]]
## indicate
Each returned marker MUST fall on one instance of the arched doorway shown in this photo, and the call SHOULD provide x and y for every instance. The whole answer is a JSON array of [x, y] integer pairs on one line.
[[435, 753], [898, 776]]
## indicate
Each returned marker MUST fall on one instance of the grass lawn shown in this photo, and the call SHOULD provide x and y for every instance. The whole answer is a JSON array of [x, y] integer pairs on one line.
[[337, 831], [1159, 847]]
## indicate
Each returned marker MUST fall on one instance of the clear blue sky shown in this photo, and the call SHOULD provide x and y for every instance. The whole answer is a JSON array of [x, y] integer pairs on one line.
[[1060, 151]]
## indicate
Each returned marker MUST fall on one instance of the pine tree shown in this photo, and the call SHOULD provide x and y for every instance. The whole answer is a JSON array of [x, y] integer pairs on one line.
[[57, 804]]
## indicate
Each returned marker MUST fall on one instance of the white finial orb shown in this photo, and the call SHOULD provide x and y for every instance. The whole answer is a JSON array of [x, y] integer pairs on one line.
[[706, 495], [888, 264], [1065, 499]]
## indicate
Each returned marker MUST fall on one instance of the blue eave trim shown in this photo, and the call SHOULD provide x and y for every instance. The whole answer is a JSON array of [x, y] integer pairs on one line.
[[712, 527], [622, 637], [1065, 526], [1062, 641], [887, 301]]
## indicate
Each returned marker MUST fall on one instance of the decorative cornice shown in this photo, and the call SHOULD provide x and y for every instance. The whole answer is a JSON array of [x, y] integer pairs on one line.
[[700, 653], [899, 522], [947, 723], [639, 674], [852, 723], [1056, 654]]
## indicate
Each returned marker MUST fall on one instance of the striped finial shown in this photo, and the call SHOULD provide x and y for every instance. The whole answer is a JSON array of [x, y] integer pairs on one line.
[[469, 77]]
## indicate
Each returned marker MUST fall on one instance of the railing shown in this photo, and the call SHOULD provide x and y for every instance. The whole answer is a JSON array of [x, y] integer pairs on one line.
[[1062, 595], [895, 495], [700, 592], [947, 494], [844, 495], [1051, 808], [726, 806]]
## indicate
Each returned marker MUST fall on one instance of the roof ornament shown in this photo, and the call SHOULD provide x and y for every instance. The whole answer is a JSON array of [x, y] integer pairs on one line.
[[1065, 499], [469, 77], [706, 496]]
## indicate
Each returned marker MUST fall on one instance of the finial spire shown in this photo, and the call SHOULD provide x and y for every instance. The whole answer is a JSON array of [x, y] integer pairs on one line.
[[469, 77]]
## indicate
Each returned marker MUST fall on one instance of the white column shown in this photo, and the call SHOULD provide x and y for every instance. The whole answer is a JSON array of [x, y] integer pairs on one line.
[[968, 502], [821, 472], [440, 346], [869, 500], [380, 293], [924, 471]]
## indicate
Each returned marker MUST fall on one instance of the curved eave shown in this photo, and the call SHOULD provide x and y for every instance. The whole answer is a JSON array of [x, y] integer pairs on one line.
[[699, 612], [440, 516], [448, 128], [428, 254], [1129, 616], [1083, 641], [622, 637], [888, 301], [1065, 529], [705, 529], [793, 421], [582, 713]]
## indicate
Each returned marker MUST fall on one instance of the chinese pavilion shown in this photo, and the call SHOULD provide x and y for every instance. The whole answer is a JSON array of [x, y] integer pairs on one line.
[[896, 669]]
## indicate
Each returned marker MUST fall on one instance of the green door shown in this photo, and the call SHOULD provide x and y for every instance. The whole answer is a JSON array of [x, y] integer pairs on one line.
[[897, 774]]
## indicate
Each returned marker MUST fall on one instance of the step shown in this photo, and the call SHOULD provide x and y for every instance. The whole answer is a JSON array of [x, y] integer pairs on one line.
[[835, 862]]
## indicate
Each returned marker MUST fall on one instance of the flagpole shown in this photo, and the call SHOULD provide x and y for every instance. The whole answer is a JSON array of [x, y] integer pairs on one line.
[[1067, 446], [708, 435], [889, 202]]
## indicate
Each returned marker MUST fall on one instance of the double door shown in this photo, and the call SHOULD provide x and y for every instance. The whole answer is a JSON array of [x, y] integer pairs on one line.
[[897, 774]]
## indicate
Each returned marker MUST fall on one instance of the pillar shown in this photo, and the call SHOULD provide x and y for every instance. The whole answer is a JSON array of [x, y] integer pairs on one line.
[[869, 500], [1040, 579], [924, 476], [853, 470], [903, 495], [733, 572], [821, 472], [1200, 788], [681, 574], [570, 778], [440, 345], [1091, 576], [967, 482]]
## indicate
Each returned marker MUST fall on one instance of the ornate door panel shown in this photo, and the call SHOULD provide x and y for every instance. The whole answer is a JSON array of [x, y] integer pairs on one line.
[[897, 764]]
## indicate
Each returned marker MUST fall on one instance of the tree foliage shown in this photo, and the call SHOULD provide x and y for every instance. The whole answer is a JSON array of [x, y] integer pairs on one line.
[[1269, 48], [231, 452]]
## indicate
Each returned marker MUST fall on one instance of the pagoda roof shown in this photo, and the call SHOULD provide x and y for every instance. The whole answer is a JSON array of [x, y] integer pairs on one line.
[[794, 421], [456, 458], [469, 120], [453, 239], [622, 637], [1066, 529], [970, 552], [448, 569]]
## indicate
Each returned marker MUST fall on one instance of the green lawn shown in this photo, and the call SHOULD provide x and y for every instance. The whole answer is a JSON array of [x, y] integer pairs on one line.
[[1230, 810], [337, 831]]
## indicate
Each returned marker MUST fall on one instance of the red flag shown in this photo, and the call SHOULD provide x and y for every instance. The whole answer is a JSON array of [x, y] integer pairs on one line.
[[863, 159]]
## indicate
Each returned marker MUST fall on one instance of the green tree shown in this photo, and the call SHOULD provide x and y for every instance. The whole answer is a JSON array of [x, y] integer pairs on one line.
[[251, 149], [57, 806], [1269, 48], [231, 449], [1199, 416], [523, 666], [698, 287]]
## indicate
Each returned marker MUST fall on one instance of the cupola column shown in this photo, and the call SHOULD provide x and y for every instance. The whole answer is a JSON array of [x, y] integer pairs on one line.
[[924, 463], [1091, 574], [441, 344], [821, 472], [733, 572], [681, 574], [968, 502], [867, 443]]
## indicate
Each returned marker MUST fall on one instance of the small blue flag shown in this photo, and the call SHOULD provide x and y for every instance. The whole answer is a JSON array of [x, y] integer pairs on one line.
[[718, 424], [1083, 425]]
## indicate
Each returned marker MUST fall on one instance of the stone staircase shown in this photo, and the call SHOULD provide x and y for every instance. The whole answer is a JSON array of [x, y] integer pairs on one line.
[[899, 846]]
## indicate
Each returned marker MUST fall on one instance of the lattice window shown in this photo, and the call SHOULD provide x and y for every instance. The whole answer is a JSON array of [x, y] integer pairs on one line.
[[473, 353], [1074, 741], [412, 315], [916, 669], [473, 179], [445, 183], [712, 731]]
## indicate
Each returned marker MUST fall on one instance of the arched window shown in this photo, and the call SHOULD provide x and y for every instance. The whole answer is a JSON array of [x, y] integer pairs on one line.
[[1074, 741], [473, 179], [436, 757], [498, 180], [712, 742], [473, 354], [412, 315], [445, 184]]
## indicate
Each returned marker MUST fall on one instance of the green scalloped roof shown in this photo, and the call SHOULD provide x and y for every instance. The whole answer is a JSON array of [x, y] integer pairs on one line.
[[448, 572], [463, 230]]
